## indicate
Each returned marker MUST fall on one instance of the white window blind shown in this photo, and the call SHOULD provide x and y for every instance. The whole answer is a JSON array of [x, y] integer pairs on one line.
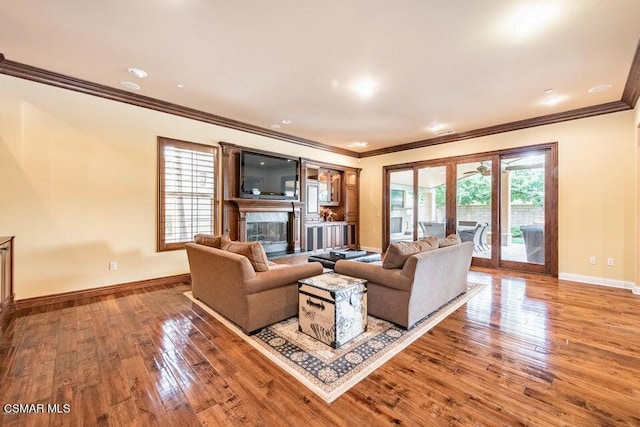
[[187, 188]]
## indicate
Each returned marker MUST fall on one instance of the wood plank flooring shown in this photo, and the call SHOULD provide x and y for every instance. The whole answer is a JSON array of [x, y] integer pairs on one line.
[[528, 350]]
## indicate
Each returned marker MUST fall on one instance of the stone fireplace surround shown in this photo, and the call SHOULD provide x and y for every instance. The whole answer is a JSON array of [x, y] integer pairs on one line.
[[262, 216]]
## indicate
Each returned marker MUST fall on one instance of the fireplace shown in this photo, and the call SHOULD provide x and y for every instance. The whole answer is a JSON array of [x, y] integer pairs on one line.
[[273, 223], [268, 228]]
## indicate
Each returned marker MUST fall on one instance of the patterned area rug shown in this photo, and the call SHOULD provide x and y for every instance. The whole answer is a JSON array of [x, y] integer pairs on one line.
[[329, 372]]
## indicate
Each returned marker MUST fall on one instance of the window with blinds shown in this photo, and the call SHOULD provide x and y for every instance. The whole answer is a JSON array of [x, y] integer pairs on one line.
[[187, 192]]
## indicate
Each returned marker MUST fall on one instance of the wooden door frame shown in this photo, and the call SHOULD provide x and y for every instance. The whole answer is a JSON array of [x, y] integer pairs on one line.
[[551, 203]]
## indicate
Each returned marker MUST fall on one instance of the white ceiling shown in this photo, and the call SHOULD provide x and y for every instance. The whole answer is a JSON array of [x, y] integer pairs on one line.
[[464, 64]]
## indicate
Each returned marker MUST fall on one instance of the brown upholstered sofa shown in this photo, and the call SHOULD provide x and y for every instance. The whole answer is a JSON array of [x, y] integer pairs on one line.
[[228, 283], [425, 282]]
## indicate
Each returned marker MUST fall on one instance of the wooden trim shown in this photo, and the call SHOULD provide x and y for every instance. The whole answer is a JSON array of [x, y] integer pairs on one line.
[[581, 113], [103, 290], [162, 246], [551, 204], [39, 75], [629, 98], [631, 91]]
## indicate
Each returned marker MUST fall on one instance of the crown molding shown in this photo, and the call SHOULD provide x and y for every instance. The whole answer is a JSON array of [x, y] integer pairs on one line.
[[39, 75], [630, 97], [580, 113], [631, 91]]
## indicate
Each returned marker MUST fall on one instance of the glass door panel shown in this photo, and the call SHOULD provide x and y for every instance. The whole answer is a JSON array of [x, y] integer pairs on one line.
[[473, 205], [401, 206], [522, 213], [431, 201]]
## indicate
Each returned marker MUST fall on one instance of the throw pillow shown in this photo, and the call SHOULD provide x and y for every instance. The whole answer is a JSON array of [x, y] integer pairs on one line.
[[208, 240], [431, 240], [398, 253], [252, 250], [452, 239]]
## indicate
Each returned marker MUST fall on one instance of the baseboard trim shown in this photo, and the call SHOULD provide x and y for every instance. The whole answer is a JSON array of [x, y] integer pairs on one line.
[[600, 281], [103, 290]]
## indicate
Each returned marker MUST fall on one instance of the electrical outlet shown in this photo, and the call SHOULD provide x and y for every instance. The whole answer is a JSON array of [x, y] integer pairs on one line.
[[113, 266], [592, 260], [610, 262]]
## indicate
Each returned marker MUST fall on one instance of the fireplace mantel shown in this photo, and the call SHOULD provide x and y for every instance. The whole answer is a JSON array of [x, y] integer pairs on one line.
[[265, 205], [239, 207]]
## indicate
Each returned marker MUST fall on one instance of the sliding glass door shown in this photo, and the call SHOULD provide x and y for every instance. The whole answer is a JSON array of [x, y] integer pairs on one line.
[[504, 202]]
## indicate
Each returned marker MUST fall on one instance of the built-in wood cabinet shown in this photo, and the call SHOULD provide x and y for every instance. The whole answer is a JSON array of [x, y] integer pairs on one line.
[[330, 235], [6, 276], [322, 185], [334, 187]]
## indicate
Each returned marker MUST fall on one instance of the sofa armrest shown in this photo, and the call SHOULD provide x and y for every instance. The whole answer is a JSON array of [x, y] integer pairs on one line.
[[282, 276], [374, 273]]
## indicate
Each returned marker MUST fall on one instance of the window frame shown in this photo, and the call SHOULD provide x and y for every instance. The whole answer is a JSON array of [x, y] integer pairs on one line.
[[163, 142]]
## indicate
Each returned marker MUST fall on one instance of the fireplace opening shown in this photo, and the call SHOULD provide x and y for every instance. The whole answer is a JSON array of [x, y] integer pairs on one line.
[[270, 229]]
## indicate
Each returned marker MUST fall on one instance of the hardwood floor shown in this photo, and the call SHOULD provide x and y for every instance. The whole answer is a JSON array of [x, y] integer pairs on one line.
[[528, 350]]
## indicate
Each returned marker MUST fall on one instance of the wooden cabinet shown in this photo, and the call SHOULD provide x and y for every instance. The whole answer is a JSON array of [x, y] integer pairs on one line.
[[325, 236], [6, 272], [334, 187], [330, 187], [312, 201]]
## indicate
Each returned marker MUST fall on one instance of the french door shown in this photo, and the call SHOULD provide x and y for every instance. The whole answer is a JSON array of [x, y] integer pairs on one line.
[[504, 202]]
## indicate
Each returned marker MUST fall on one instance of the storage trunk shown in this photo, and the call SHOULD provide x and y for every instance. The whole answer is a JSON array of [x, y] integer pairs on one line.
[[332, 308]]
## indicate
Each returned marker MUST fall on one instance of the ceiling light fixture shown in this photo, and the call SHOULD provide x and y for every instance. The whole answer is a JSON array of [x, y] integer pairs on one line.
[[530, 20], [179, 85], [141, 74], [550, 99], [436, 127], [364, 87], [130, 86], [274, 126], [600, 88], [445, 132], [286, 121]]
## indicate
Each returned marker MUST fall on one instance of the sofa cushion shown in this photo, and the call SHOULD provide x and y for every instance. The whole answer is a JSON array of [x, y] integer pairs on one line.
[[208, 240], [450, 240], [397, 253], [252, 250], [431, 240]]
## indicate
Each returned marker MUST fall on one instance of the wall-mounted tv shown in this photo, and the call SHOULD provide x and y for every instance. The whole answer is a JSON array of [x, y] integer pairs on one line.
[[268, 177]]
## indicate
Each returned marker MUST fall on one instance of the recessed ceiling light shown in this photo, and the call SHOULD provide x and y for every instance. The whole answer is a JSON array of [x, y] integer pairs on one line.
[[179, 85], [445, 132], [600, 88], [364, 87], [130, 86], [551, 98], [436, 127], [528, 21], [274, 126], [138, 72], [286, 122]]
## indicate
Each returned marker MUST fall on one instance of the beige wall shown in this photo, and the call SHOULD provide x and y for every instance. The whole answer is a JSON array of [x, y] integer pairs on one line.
[[637, 132], [78, 185], [597, 190]]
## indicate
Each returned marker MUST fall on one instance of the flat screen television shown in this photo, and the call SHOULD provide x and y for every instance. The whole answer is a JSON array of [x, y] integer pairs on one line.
[[268, 177]]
